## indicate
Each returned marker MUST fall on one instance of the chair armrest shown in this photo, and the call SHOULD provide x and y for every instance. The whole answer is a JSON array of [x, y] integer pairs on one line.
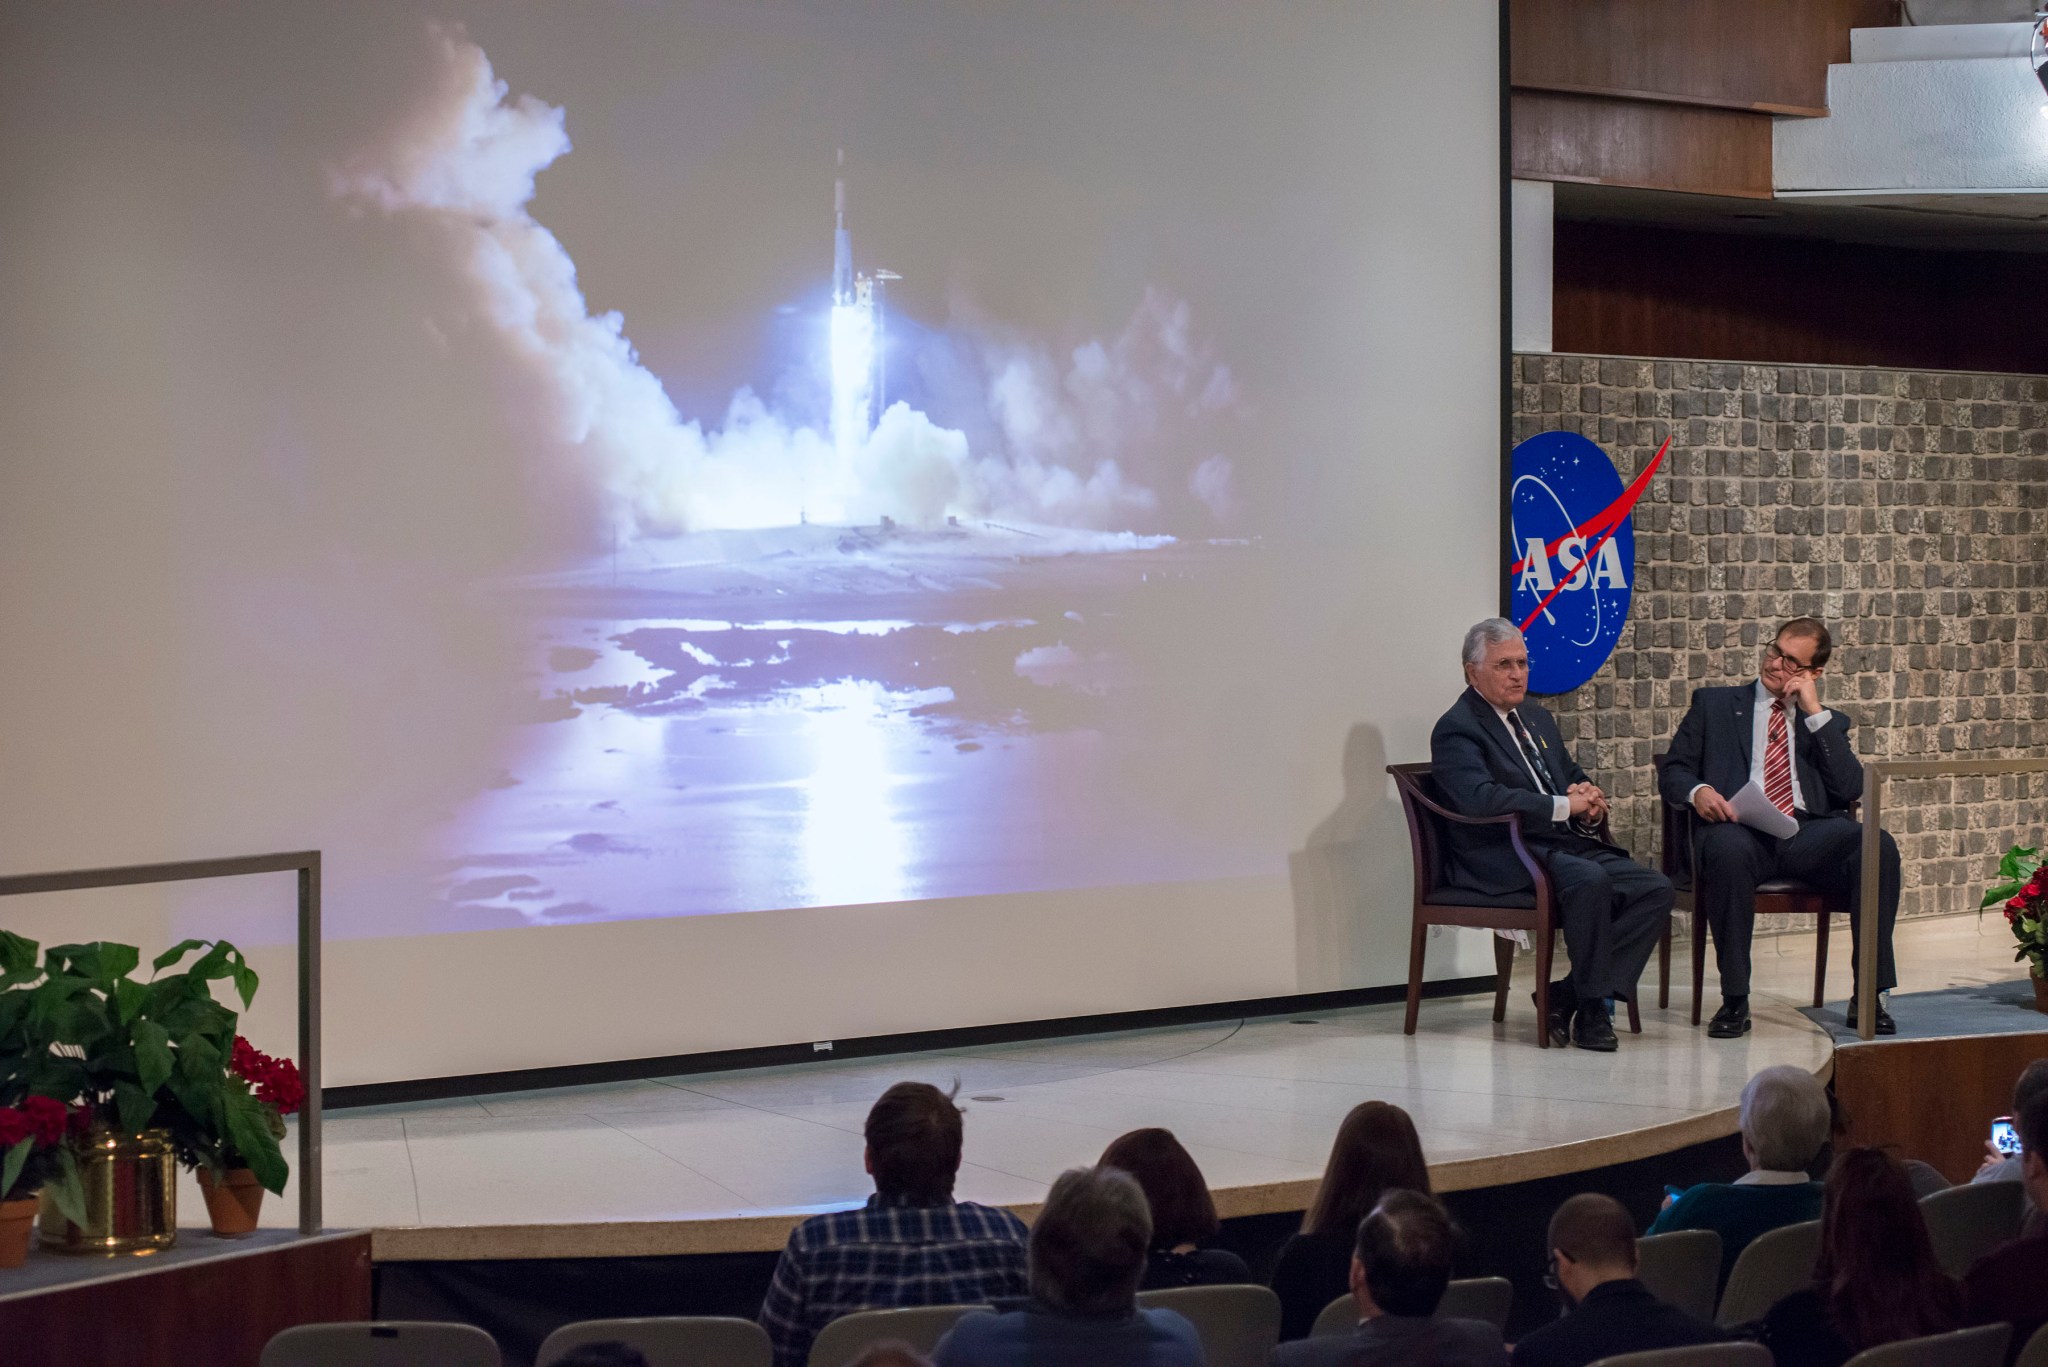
[[1511, 820]]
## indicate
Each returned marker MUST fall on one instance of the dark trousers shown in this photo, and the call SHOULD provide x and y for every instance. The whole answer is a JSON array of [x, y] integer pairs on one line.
[[1613, 912], [1825, 852]]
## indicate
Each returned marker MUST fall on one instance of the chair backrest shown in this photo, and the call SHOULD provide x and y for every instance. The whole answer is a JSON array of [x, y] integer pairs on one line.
[[1474, 1298], [1776, 1263], [2035, 1353], [1425, 836], [1682, 1268], [1694, 1355], [1969, 1221], [381, 1343], [679, 1341], [1983, 1346], [920, 1326], [1239, 1325]]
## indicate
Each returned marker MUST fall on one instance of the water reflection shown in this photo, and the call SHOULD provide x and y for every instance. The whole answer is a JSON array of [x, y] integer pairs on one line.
[[854, 846]]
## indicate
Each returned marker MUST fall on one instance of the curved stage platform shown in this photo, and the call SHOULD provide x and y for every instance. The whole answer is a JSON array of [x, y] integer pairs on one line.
[[729, 1162]]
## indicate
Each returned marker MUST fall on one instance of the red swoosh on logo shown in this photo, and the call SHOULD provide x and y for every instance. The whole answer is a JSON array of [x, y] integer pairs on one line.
[[1606, 522]]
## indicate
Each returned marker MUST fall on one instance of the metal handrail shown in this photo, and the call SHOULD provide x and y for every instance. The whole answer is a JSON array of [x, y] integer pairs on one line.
[[1875, 772], [306, 864]]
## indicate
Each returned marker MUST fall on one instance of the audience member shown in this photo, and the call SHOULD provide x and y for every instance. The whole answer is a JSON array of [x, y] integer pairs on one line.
[[911, 1244], [2010, 1283], [610, 1353], [1183, 1215], [1876, 1280], [1400, 1265], [1593, 1263], [1088, 1250], [1785, 1121], [891, 1353], [1376, 1150], [2005, 1167]]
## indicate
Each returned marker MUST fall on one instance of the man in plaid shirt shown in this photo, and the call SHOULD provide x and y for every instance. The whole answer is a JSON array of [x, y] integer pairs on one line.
[[911, 1244]]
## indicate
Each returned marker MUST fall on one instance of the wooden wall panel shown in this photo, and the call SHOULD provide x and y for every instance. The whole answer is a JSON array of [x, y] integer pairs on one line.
[[1603, 141], [1771, 56], [1933, 1099], [1628, 290]]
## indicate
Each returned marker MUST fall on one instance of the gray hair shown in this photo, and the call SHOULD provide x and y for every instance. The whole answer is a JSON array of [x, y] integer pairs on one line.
[[1490, 632], [1090, 1242], [1785, 1118]]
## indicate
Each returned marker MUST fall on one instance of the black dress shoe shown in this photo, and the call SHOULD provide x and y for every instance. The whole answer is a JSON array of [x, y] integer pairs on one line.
[[1885, 1024], [1563, 1001], [1591, 1029], [1730, 1022]]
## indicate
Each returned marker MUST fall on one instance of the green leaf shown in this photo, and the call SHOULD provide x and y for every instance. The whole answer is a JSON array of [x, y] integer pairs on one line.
[[2003, 892], [175, 953], [10, 1167], [17, 953], [66, 1190], [129, 999], [245, 984], [135, 1107], [249, 1131], [153, 1060]]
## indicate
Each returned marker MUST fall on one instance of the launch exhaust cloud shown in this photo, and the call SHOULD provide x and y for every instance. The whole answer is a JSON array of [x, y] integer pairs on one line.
[[1124, 434]]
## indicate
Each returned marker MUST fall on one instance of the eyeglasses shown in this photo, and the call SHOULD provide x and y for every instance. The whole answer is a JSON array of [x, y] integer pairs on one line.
[[1774, 655], [1513, 665]]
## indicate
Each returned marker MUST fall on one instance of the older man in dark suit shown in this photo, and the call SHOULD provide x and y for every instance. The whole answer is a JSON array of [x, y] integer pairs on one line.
[[1496, 752], [1774, 732]]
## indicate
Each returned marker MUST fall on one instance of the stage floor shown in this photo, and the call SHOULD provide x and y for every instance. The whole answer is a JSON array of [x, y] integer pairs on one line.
[[729, 1161]]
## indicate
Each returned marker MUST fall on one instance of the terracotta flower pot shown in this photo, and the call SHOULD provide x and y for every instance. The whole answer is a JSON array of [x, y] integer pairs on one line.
[[2040, 993], [233, 1202], [17, 1223]]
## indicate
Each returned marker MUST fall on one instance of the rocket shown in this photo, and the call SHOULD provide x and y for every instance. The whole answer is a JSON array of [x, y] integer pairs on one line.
[[842, 241]]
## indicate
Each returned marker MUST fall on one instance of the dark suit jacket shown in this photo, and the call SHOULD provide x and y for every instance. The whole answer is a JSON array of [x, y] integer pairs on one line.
[[1713, 747], [1615, 1318], [1400, 1341], [1479, 772]]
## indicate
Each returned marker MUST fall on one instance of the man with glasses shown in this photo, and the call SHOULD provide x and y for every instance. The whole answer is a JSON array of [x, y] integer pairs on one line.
[[1775, 733], [1496, 752]]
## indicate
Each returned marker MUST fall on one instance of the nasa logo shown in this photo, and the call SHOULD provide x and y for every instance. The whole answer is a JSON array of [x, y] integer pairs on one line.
[[1574, 547]]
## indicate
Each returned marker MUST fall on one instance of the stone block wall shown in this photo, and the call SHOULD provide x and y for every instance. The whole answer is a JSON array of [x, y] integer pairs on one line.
[[1907, 509]]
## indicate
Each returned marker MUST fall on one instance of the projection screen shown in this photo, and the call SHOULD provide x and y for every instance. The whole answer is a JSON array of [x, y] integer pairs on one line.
[[737, 524]]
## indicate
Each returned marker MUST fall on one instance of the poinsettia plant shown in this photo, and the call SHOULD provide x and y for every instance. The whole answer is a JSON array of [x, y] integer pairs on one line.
[[35, 1126], [2022, 886], [272, 1085]]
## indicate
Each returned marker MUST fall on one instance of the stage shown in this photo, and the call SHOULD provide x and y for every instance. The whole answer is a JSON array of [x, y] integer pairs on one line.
[[728, 1162]]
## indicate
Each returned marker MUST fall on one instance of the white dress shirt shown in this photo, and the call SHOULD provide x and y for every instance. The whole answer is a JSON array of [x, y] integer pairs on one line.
[[1560, 807], [1760, 741]]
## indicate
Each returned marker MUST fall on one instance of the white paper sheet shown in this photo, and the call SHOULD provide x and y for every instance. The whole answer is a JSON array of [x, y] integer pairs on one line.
[[1753, 809]]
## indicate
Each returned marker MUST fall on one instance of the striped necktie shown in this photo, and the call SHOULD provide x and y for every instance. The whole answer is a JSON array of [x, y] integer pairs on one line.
[[1778, 761], [1529, 753]]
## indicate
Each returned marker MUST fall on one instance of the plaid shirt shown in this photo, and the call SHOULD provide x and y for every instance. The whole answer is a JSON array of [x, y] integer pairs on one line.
[[888, 1254]]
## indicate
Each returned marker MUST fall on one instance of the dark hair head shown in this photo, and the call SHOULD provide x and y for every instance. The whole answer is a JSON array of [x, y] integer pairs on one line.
[[2032, 1081], [610, 1353], [1090, 1242], [1376, 1150], [1404, 1245], [913, 1135], [1809, 629], [2031, 1120], [1182, 1211], [1595, 1230], [1877, 1266]]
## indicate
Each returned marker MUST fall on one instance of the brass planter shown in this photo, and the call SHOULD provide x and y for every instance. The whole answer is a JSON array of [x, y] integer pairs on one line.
[[131, 1197]]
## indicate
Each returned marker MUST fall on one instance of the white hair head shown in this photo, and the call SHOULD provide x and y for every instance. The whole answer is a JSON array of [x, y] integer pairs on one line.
[[1784, 1116], [1490, 632]]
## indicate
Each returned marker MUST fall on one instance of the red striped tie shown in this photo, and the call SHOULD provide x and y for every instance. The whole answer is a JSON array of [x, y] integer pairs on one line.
[[1778, 761]]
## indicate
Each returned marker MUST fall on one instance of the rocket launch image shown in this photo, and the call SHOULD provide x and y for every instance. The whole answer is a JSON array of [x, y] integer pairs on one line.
[[874, 648]]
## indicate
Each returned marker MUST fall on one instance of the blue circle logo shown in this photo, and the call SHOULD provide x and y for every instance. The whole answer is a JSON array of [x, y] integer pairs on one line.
[[1572, 548]]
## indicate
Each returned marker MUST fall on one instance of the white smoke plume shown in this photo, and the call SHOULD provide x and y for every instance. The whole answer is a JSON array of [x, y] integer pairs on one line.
[[465, 160]]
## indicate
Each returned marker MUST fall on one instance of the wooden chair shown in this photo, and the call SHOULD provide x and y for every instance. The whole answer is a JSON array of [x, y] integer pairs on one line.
[[1678, 861], [1437, 904]]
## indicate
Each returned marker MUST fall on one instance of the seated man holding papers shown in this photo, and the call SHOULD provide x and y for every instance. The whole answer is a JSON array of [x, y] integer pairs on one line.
[[1771, 774]]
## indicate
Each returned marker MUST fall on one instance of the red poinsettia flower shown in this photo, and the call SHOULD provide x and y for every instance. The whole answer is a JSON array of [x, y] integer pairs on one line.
[[14, 1127], [274, 1080], [46, 1118]]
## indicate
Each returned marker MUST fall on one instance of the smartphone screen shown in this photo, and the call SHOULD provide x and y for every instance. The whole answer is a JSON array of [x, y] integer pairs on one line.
[[2004, 1137]]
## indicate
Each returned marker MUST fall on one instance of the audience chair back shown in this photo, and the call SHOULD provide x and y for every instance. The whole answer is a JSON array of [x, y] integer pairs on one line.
[[1969, 1221], [1239, 1325], [1340, 1316], [920, 1326], [676, 1341], [1776, 1263], [387, 1343], [2035, 1354], [1682, 1268], [1983, 1346], [1694, 1355], [1475, 1298]]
